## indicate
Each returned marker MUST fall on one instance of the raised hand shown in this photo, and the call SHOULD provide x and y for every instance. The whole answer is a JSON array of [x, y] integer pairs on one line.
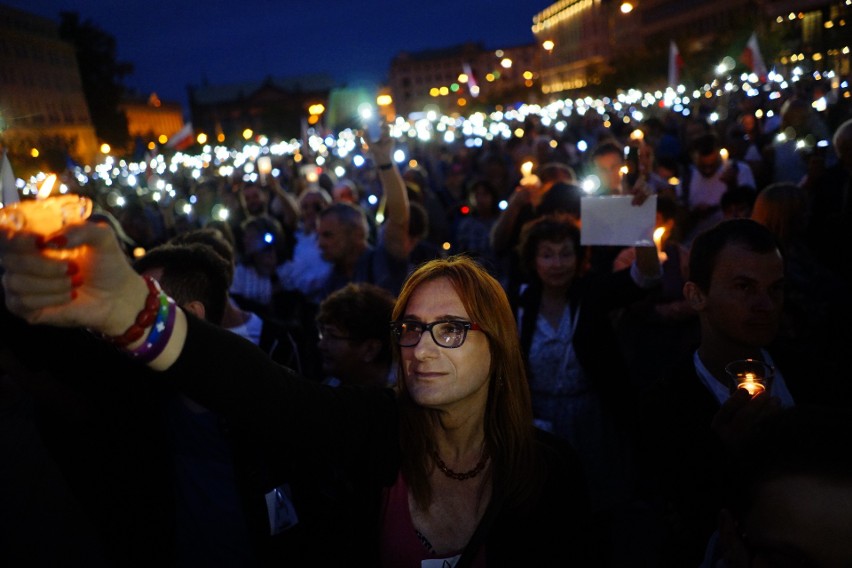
[[77, 277]]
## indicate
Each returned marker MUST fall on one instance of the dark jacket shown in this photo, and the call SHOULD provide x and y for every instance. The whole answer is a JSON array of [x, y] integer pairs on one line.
[[682, 460], [340, 447], [595, 342]]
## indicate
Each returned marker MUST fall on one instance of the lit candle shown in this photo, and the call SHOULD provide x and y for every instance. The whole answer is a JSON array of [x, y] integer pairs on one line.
[[724, 154], [751, 375], [637, 134], [529, 179], [658, 241], [264, 167], [751, 383], [46, 214]]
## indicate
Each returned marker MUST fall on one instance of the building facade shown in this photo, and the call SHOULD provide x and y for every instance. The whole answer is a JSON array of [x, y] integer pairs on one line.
[[584, 39], [463, 76], [151, 119], [274, 107], [43, 110]]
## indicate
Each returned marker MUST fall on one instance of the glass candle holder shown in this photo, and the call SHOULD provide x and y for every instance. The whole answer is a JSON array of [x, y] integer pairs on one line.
[[47, 215], [752, 375]]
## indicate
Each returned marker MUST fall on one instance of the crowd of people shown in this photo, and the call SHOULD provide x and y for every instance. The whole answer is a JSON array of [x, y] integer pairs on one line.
[[424, 364]]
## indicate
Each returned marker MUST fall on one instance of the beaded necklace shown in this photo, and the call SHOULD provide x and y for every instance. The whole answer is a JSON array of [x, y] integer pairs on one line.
[[464, 475]]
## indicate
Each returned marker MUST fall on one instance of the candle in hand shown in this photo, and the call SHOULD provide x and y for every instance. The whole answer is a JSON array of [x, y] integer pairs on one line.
[[264, 167], [750, 382], [751, 375], [658, 242], [528, 179], [46, 214]]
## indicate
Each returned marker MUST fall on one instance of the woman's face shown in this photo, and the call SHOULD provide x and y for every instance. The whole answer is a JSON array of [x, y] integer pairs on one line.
[[437, 377], [556, 263]]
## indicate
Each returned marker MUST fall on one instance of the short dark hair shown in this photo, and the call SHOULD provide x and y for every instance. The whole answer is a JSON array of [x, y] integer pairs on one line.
[[362, 311], [706, 144], [706, 246], [350, 215], [191, 272], [547, 228], [211, 237], [561, 198], [225, 228], [551, 171], [281, 240], [739, 195], [488, 187], [607, 146]]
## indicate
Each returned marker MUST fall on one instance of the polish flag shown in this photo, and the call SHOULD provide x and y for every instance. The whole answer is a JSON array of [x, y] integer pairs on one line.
[[675, 65], [752, 58], [183, 138]]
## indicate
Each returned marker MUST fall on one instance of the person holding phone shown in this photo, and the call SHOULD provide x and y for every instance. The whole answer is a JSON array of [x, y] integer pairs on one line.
[[343, 232]]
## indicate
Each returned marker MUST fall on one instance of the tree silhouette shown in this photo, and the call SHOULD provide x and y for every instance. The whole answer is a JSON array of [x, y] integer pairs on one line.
[[101, 75]]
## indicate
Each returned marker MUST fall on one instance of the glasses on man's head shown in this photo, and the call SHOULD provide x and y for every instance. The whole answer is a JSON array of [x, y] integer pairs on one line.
[[445, 333]]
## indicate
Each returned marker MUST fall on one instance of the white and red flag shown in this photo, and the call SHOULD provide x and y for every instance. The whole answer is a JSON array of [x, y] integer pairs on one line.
[[183, 138], [752, 58], [675, 65]]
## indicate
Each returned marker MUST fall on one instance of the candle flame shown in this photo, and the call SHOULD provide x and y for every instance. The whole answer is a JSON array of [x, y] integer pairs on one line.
[[637, 134], [526, 168], [658, 235], [750, 383], [46, 187], [724, 153]]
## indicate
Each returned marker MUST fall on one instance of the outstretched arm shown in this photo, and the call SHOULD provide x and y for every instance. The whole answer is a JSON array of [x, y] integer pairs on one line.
[[289, 205], [396, 240]]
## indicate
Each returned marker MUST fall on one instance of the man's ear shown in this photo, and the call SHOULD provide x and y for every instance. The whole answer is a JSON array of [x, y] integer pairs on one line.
[[196, 308], [694, 295]]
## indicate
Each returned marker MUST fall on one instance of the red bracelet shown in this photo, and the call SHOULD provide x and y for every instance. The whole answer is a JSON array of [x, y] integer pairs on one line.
[[144, 319]]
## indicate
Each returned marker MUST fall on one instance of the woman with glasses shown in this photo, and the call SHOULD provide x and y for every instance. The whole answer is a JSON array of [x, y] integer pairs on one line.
[[444, 469]]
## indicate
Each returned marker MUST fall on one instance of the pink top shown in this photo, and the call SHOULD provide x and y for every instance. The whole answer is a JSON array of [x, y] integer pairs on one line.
[[401, 544]]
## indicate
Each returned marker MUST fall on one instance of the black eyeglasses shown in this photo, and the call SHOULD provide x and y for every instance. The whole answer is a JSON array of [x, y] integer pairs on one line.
[[324, 333], [445, 333]]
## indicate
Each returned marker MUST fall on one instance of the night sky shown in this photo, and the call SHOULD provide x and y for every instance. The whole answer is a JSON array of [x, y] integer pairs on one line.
[[177, 43]]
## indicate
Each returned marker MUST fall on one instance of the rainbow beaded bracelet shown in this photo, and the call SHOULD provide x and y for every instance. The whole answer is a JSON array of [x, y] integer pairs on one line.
[[160, 332]]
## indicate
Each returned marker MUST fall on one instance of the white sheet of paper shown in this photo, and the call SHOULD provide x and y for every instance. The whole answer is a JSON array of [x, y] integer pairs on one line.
[[612, 220]]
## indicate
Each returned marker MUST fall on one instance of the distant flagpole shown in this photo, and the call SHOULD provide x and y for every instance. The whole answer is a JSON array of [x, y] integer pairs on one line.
[[8, 188], [675, 65], [752, 58]]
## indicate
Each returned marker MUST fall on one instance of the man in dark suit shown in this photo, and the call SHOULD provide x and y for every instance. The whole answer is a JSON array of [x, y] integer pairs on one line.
[[690, 420]]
